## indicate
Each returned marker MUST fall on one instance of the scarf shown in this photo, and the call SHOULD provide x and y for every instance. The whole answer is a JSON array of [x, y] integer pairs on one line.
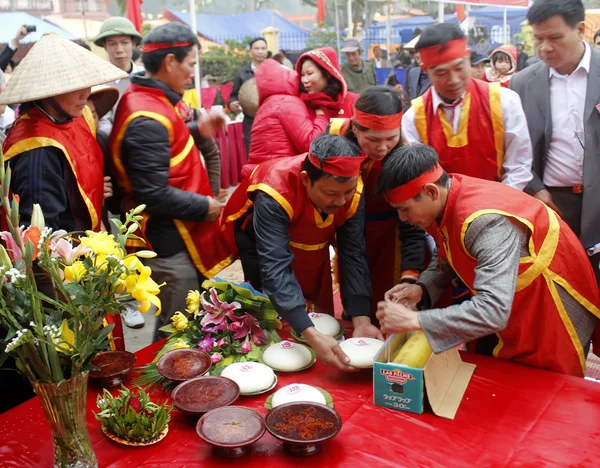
[[322, 101]]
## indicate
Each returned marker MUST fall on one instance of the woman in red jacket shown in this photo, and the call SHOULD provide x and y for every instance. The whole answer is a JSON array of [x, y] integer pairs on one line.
[[296, 106]]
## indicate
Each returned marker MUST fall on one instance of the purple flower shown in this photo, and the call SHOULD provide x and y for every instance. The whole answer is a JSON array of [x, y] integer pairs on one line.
[[248, 325], [246, 347], [217, 357], [216, 329], [222, 343], [216, 311], [206, 344]]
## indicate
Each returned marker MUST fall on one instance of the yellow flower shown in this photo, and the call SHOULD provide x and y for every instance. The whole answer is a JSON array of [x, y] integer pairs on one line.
[[144, 290], [75, 272], [193, 302], [180, 321], [101, 243], [67, 338], [180, 344]]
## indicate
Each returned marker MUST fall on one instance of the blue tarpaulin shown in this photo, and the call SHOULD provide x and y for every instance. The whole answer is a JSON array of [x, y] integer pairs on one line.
[[382, 74], [11, 22], [491, 17], [218, 28]]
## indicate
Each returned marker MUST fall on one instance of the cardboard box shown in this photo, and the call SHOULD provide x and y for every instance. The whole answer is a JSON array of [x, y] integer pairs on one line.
[[444, 378]]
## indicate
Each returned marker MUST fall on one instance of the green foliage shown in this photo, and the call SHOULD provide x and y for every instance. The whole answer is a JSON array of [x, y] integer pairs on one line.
[[224, 62], [132, 417], [321, 38]]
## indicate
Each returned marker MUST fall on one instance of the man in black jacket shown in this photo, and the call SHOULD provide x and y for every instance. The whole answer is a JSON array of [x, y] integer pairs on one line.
[[415, 85], [258, 51]]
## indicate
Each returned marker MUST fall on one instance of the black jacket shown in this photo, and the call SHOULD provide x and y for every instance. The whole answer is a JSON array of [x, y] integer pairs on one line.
[[6, 56], [146, 156], [243, 75]]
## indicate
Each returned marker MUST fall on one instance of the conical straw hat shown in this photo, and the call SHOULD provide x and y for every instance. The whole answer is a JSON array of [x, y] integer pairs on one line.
[[56, 66]]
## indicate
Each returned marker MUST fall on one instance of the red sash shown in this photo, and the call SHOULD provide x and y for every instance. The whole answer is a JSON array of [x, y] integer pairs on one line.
[[207, 249], [477, 150], [539, 332], [310, 235], [77, 142]]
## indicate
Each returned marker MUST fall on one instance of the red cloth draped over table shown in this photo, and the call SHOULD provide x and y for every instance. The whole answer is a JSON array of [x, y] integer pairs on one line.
[[511, 415]]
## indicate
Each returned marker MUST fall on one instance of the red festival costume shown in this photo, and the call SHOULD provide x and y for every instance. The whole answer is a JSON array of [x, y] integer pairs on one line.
[[310, 235], [552, 262], [206, 247], [477, 149]]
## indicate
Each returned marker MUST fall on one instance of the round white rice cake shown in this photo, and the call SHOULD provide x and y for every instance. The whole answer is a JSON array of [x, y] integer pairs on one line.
[[361, 351], [287, 356], [297, 392], [251, 377], [325, 324]]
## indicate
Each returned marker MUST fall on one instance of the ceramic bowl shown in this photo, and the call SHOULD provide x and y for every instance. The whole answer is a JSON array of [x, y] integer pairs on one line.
[[180, 365], [203, 394], [303, 426], [231, 430], [113, 367]]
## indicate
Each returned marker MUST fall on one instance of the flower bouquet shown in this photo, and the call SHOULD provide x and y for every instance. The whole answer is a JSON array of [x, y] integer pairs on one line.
[[133, 419], [231, 322], [57, 292]]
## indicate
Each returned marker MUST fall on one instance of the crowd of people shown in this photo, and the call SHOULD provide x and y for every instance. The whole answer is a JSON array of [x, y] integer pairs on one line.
[[472, 181]]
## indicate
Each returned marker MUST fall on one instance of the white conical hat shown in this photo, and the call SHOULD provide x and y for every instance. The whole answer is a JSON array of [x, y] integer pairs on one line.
[[56, 66]]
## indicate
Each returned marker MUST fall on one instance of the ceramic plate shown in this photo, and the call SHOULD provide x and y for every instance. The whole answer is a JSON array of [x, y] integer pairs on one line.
[[183, 364], [117, 439], [206, 393], [230, 427]]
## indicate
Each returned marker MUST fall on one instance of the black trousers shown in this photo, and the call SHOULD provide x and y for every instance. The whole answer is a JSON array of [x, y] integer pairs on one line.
[[246, 245], [247, 125]]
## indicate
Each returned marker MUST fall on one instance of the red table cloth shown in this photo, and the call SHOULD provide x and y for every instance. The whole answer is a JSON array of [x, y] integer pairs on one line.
[[511, 415], [233, 154]]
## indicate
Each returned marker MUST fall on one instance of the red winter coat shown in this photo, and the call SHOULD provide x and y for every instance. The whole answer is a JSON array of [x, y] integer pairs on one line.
[[283, 125]]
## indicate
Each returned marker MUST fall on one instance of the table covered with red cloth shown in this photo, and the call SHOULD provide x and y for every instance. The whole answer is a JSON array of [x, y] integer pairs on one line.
[[511, 415], [233, 153]]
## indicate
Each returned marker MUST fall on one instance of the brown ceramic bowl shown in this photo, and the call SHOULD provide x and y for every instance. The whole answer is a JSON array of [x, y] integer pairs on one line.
[[231, 430], [183, 364], [303, 426], [203, 394], [113, 367]]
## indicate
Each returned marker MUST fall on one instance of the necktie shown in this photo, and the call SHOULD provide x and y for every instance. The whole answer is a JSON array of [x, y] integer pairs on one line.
[[452, 106]]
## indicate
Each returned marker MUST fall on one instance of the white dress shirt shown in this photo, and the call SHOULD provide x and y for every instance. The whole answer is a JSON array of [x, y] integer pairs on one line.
[[564, 162], [377, 63], [518, 155]]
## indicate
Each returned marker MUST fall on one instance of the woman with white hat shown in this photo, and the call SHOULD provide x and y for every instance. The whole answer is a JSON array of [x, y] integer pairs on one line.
[[52, 151]]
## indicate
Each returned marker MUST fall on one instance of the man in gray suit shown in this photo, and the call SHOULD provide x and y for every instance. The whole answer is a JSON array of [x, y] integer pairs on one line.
[[560, 97]]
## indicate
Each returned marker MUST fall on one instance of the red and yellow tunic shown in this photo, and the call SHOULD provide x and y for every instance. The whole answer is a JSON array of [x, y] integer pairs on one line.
[[206, 247], [539, 331], [310, 235], [477, 150], [77, 141]]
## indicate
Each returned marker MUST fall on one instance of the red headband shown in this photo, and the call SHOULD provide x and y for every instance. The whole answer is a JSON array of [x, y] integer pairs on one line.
[[378, 122], [340, 166], [164, 45], [412, 188], [433, 56]]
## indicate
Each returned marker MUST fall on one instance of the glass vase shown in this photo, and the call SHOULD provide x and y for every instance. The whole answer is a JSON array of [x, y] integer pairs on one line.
[[64, 406]]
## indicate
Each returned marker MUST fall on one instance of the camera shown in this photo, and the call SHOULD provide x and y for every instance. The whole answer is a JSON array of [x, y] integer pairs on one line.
[[31, 28]]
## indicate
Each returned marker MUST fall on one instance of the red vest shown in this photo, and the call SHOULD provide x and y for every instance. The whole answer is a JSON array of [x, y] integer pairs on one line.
[[539, 332], [310, 235], [477, 150], [76, 140], [207, 249]]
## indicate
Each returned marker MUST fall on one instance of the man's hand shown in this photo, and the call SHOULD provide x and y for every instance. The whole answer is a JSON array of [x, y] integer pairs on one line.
[[236, 107], [108, 188], [328, 350], [21, 33], [209, 124], [405, 293], [396, 318], [214, 210], [365, 329], [545, 197]]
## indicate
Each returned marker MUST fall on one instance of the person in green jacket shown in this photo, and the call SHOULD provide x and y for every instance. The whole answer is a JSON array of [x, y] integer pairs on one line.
[[358, 73]]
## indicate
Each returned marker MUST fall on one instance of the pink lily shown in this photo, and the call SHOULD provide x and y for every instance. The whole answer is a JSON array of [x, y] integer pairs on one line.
[[248, 325], [216, 310], [64, 249], [13, 250], [216, 329], [222, 343], [246, 347], [207, 344], [217, 357]]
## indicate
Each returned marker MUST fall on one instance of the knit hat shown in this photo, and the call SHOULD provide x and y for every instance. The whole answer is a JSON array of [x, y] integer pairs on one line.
[[57, 66], [117, 26]]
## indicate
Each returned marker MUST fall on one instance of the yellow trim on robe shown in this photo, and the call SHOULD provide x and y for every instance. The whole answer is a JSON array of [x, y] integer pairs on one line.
[[335, 126], [273, 194], [89, 119], [421, 119], [184, 154], [355, 199], [32, 143], [309, 247], [320, 222], [237, 215], [460, 139], [497, 125]]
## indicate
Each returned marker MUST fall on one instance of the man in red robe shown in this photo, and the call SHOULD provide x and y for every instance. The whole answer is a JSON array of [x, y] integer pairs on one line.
[[535, 298], [283, 219]]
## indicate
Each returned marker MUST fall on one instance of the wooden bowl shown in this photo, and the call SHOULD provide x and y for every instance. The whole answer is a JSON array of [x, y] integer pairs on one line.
[[303, 426], [231, 430], [113, 367], [203, 394], [180, 365]]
